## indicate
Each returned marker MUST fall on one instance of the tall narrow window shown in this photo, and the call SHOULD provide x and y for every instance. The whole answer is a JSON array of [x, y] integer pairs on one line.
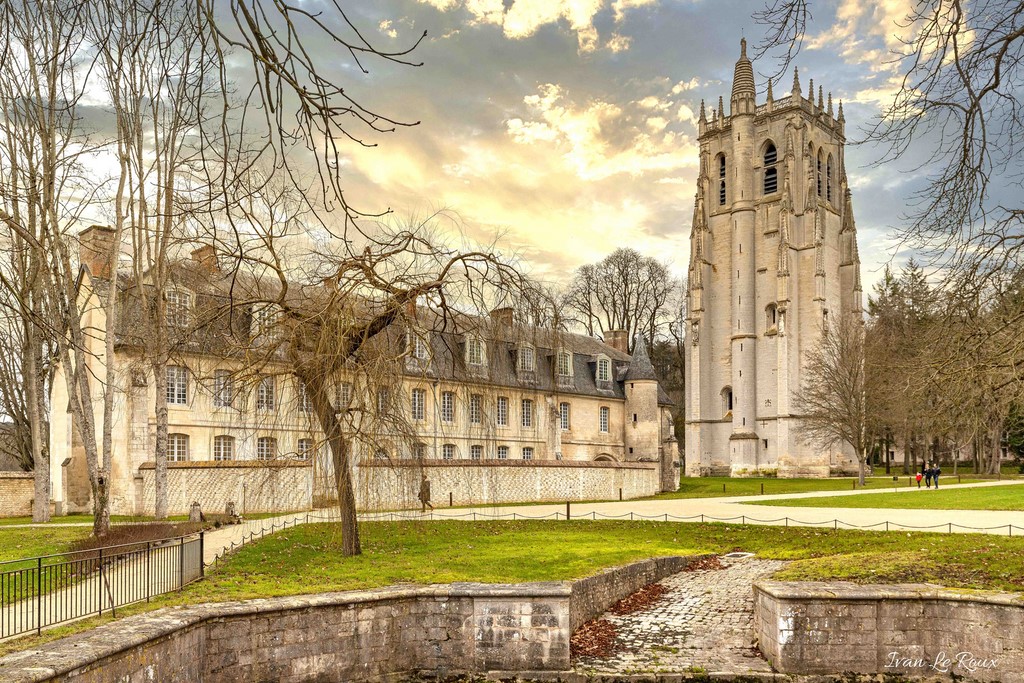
[[828, 179], [419, 451], [527, 359], [527, 452], [563, 416], [177, 385], [564, 364], [818, 175], [417, 346], [527, 408], [727, 399], [502, 452], [419, 401], [475, 351], [476, 402], [266, 448], [343, 396], [448, 451], [383, 399], [265, 394], [223, 389], [476, 452], [604, 370], [502, 411], [771, 174], [305, 402], [223, 447], [304, 449], [177, 447], [178, 310], [721, 179], [448, 406], [604, 419]]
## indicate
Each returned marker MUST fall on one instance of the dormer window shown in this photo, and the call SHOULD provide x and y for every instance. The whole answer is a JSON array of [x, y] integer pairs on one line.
[[564, 364], [474, 351], [604, 370], [178, 309], [527, 359], [265, 319], [417, 346]]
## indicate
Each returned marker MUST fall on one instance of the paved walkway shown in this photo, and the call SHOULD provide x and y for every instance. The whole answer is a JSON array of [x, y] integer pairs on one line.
[[705, 623], [734, 509]]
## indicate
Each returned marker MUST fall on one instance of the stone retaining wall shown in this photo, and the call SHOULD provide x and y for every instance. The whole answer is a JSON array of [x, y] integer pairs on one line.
[[17, 489], [254, 486], [396, 485], [354, 636], [912, 629]]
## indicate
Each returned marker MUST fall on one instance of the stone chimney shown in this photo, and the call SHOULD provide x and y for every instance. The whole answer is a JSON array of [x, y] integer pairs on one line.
[[206, 258], [503, 316], [97, 251], [617, 339]]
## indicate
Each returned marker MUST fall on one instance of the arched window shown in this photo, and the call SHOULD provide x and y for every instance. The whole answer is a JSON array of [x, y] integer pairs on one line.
[[223, 447], [771, 317], [721, 179], [819, 172], [727, 400], [771, 174], [266, 448], [828, 179]]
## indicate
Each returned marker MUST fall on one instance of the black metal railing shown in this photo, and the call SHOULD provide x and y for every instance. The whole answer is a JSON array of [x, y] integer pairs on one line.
[[39, 592]]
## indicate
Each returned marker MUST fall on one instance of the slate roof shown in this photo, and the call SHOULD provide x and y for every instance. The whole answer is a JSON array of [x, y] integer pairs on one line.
[[640, 366]]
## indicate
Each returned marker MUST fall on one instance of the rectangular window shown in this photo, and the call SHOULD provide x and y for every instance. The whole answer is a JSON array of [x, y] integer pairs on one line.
[[419, 451], [223, 389], [177, 447], [343, 396], [448, 451], [177, 385], [223, 448], [563, 416], [179, 306], [305, 402], [502, 452], [475, 352], [419, 401], [527, 359], [527, 406], [266, 448], [418, 347], [527, 453], [564, 364], [604, 370], [383, 398], [604, 420], [476, 452], [476, 402], [304, 449], [447, 406], [502, 411], [266, 398]]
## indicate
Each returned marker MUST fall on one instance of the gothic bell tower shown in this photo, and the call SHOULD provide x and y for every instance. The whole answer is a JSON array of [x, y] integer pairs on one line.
[[773, 253]]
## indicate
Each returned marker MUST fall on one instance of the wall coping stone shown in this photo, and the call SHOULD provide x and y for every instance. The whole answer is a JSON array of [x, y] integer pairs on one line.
[[14, 474], [568, 464], [845, 590], [225, 464]]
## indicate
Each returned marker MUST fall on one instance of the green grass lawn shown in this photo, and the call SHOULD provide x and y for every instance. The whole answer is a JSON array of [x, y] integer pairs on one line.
[[118, 519], [989, 498], [709, 487], [16, 544], [307, 558]]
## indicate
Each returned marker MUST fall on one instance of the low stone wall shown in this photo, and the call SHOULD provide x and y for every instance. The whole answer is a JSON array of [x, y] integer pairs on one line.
[[437, 631], [254, 486], [912, 629], [17, 489], [396, 485]]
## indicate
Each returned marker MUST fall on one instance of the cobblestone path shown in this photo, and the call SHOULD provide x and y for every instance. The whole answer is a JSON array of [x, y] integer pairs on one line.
[[704, 623]]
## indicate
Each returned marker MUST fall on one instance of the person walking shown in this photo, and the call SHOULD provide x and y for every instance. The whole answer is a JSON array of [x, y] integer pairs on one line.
[[918, 480], [928, 475], [935, 475], [425, 494]]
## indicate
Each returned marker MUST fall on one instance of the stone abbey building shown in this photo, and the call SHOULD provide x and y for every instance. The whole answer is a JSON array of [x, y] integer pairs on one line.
[[773, 258]]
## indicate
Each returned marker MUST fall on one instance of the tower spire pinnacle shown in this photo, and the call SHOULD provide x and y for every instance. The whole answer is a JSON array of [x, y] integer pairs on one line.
[[810, 92], [821, 98], [771, 96], [743, 76], [830, 104], [841, 118], [796, 82], [703, 116]]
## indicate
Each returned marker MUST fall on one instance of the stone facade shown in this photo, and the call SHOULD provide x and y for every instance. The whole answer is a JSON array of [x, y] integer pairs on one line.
[[252, 485], [17, 489], [773, 258], [915, 630], [436, 631], [391, 486]]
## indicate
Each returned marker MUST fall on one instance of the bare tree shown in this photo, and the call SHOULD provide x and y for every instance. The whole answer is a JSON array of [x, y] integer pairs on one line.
[[832, 399]]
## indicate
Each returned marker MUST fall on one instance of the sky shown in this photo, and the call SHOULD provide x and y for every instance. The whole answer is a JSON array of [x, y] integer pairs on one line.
[[563, 129]]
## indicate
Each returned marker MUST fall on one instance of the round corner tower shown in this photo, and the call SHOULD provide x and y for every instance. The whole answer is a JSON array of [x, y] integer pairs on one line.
[[773, 253]]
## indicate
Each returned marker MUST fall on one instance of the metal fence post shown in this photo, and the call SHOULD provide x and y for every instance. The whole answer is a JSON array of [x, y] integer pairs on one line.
[[39, 596], [149, 572], [102, 581], [202, 554], [181, 564]]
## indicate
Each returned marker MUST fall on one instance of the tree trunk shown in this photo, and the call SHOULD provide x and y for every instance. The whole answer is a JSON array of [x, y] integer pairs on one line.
[[160, 447], [40, 450]]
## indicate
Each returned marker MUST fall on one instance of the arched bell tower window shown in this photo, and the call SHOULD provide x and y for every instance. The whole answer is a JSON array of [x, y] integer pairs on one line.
[[771, 317], [721, 179], [819, 172], [771, 174], [828, 179], [727, 400]]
